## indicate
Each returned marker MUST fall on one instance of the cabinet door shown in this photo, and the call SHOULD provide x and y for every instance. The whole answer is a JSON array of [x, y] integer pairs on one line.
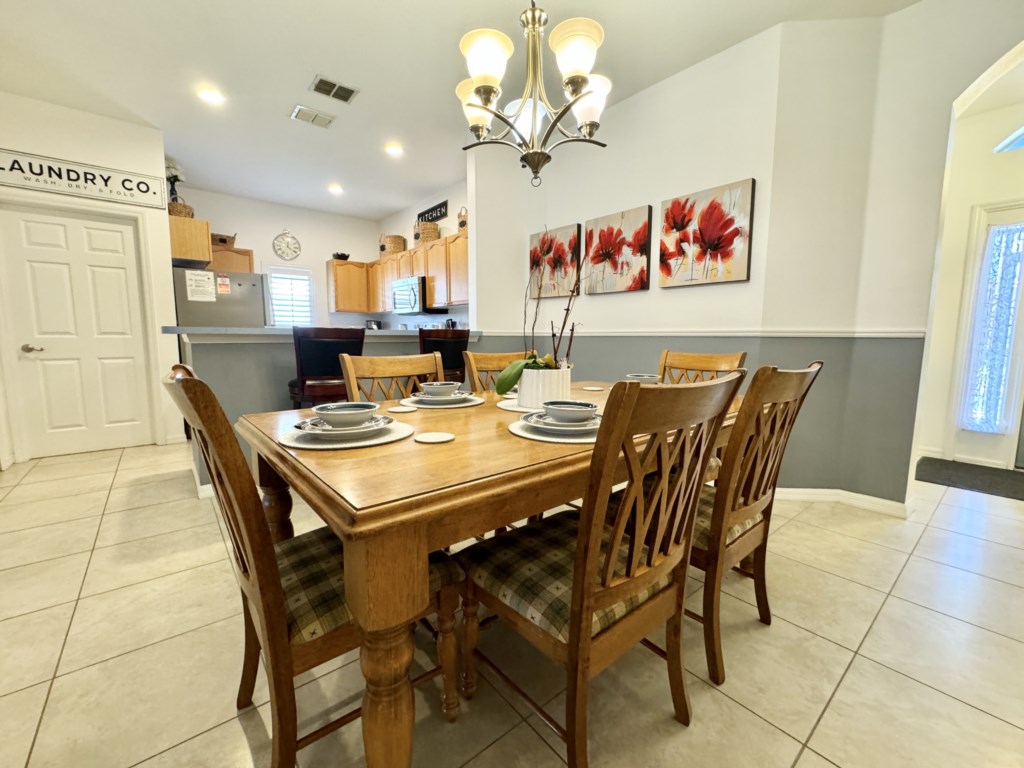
[[350, 289], [405, 264], [458, 270], [190, 239], [419, 260], [389, 274], [231, 260], [437, 273], [374, 300]]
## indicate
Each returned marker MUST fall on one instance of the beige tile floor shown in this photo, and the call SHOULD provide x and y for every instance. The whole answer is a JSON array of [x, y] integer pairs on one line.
[[895, 643]]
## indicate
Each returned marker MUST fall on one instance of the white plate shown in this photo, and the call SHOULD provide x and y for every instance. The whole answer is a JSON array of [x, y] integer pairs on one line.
[[324, 430], [513, 405], [454, 397], [311, 442], [426, 403], [513, 395], [520, 429], [545, 423], [434, 437]]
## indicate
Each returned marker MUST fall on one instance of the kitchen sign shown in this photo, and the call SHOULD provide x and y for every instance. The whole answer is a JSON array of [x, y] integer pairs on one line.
[[49, 174], [434, 213]]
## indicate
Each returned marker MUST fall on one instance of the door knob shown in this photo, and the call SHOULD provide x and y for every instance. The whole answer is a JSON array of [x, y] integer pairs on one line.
[[30, 348]]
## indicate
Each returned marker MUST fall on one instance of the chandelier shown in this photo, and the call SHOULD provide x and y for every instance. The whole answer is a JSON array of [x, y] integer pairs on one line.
[[530, 122]]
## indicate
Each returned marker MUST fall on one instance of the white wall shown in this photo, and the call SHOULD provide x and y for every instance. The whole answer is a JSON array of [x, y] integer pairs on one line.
[[711, 124], [402, 223], [45, 129], [931, 52], [977, 176], [258, 222]]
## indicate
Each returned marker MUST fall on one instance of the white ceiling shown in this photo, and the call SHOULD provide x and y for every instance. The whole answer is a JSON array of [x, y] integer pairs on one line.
[[142, 60]]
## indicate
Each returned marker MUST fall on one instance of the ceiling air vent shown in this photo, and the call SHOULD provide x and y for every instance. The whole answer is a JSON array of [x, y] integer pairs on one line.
[[332, 89], [307, 115]]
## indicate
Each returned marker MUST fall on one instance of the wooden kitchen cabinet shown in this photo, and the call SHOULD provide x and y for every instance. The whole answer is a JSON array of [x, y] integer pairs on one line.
[[374, 287], [389, 273], [458, 269], [406, 263], [347, 286], [231, 260], [190, 240], [419, 259], [437, 272]]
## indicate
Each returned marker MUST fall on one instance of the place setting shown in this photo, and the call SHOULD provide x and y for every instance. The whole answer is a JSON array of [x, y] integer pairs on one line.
[[345, 425], [560, 421], [442, 394]]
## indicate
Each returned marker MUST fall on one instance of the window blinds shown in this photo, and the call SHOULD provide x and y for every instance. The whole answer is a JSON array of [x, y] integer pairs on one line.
[[291, 296]]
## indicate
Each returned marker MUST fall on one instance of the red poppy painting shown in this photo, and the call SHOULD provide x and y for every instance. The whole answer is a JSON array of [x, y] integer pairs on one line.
[[705, 237], [554, 261], [618, 252]]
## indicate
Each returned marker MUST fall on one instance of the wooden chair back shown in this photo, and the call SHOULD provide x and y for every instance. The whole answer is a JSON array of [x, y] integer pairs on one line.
[[451, 343], [753, 455], [687, 367], [389, 377], [241, 507], [482, 368], [317, 350], [663, 436]]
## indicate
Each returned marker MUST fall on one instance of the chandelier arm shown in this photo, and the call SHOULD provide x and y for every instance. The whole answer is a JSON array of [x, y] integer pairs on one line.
[[574, 139], [501, 116], [488, 142], [556, 119]]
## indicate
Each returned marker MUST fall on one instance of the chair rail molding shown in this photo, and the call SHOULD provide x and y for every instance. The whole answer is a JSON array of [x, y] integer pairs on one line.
[[783, 333]]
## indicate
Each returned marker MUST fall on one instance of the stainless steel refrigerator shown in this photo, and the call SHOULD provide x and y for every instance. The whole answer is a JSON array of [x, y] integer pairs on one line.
[[220, 299]]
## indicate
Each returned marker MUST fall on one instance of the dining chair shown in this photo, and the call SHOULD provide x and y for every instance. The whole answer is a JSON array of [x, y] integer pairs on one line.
[[688, 367], [389, 377], [451, 343], [318, 378], [585, 587], [293, 592], [482, 368], [733, 518]]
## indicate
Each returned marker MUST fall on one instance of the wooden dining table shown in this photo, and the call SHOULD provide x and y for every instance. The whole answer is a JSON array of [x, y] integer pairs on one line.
[[393, 504]]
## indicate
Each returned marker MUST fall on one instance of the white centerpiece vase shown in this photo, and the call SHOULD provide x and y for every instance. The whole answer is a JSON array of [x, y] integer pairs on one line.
[[536, 387]]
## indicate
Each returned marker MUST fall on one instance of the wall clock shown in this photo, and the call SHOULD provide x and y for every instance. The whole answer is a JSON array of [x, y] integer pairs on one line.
[[287, 246]]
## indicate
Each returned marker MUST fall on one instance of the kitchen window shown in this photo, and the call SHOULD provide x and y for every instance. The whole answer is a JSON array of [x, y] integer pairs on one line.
[[291, 296]]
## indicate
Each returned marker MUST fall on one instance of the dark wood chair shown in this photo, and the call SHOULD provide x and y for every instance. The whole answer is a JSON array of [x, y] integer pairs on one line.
[[383, 377], [688, 367], [585, 587], [451, 343], [733, 518], [482, 368], [293, 600], [318, 378]]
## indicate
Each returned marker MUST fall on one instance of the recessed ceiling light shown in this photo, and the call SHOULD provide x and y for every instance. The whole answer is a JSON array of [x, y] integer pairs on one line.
[[335, 189], [394, 149], [210, 96]]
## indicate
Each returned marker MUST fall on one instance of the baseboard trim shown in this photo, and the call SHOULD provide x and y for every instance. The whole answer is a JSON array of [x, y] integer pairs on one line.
[[205, 491], [836, 495]]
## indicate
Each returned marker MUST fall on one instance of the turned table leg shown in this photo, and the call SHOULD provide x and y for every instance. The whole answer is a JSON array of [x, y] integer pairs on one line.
[[388, 707], [277, 500]]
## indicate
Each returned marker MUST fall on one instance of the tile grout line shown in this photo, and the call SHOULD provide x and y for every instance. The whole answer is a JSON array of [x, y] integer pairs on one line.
[[865, 541], [67, 632], [957, 618], [973, 536], [968, 570]]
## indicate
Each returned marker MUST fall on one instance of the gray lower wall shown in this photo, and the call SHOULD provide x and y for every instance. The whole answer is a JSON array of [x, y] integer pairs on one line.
[[854, 432]]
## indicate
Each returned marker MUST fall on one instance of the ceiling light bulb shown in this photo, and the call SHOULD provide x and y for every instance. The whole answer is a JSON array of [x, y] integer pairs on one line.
[[470, 105], [487, 52], [394, 149], [524, 121], [211, 96], [335, 189], [575, 43]]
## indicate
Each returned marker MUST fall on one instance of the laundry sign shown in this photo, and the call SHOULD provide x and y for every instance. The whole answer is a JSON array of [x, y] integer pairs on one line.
[[50, 174]]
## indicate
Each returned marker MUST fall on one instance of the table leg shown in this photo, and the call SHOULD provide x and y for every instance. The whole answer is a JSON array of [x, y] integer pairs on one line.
[[388, 707], [277, 500]]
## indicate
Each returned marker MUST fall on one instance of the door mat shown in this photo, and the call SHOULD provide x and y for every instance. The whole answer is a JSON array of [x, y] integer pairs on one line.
[[957, 474]]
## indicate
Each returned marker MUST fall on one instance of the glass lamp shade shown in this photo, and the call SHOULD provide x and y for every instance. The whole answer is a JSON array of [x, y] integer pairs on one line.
[[487, 52], [524, 123], [575, 43], [589, 108], [469, 100]]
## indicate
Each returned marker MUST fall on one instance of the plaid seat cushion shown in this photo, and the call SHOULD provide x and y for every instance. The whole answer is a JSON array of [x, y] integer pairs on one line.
[[531, 569], [702, 526], [313, 579]]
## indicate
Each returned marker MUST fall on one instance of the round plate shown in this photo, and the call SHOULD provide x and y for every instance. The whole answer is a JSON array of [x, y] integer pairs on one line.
[[521, 429], [311, 442], [545, 423], [322, 429], [434, 437], [454, 397], [402, 409], [513, 405], [427, 403]]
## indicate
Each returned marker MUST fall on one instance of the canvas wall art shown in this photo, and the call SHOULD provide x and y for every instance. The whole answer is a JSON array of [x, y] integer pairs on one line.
[[554, 261], [705, 236], [618, 252]]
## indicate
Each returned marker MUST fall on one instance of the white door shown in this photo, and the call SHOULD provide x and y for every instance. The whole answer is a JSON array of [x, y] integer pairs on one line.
[[73, 319], [991, 379]]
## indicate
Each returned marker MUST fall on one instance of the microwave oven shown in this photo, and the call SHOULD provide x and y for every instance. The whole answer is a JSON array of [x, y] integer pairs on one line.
[[409, 297]]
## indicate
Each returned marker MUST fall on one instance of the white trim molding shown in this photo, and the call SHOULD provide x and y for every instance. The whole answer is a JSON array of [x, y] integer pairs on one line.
[[767, 333], [836, 495]]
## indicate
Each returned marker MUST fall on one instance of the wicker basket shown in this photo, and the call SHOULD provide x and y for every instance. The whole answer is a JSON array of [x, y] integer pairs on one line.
[[425, 231], [392, 243], [179, 207], [227, 242]]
